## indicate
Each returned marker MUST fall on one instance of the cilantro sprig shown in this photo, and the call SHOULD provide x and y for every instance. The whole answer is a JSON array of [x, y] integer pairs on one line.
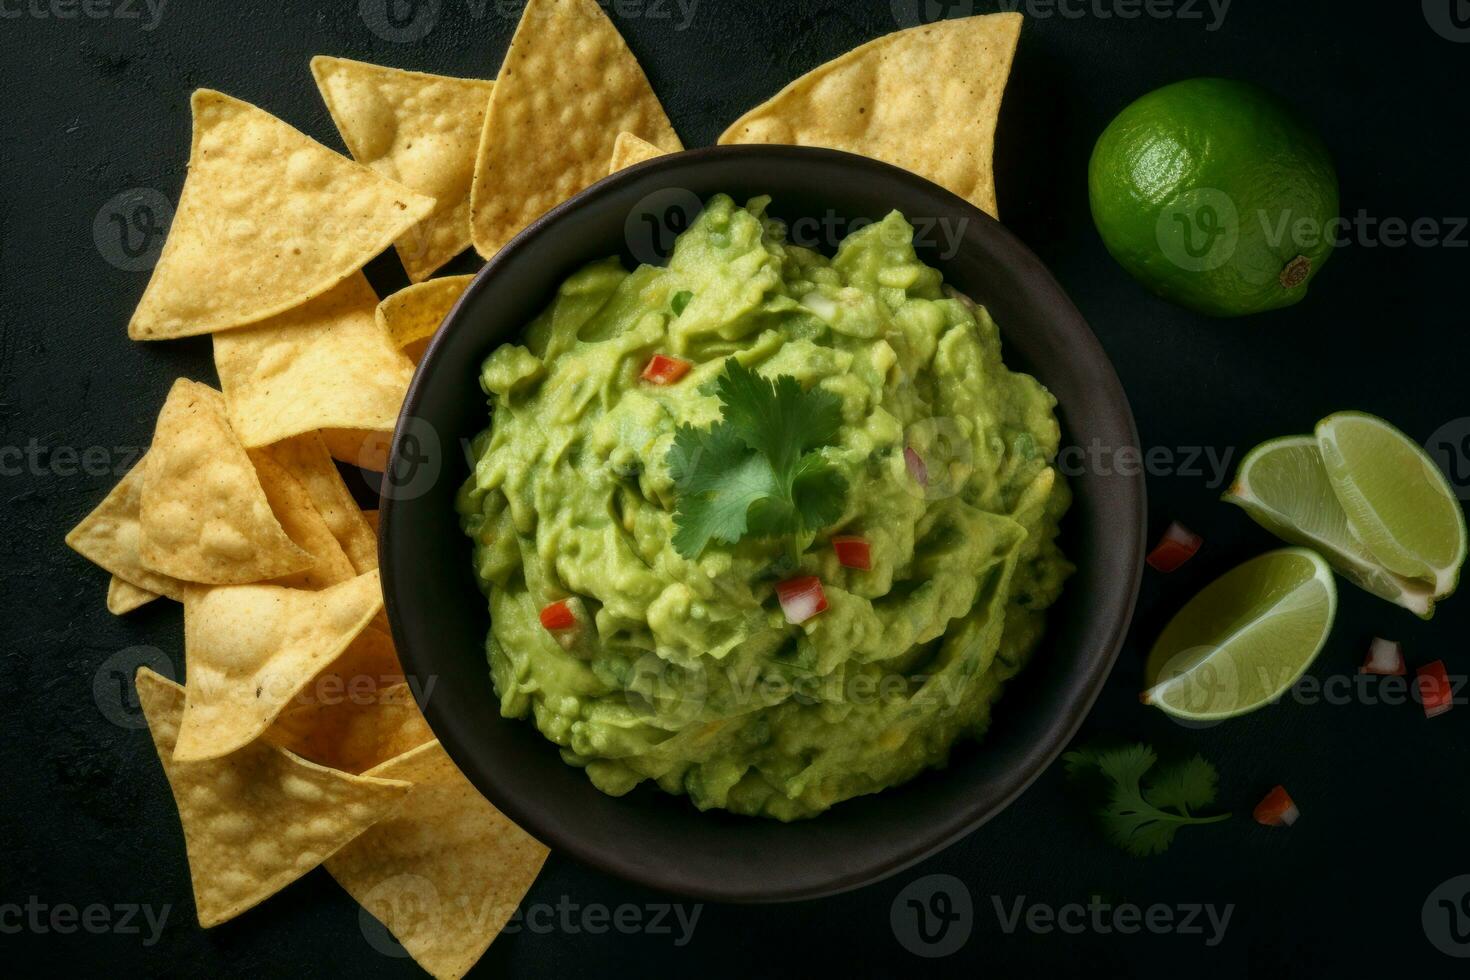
[[755, 472], [1145, 807]]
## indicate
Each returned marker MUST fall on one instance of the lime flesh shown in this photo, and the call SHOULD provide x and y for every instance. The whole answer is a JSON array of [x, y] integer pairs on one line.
[[1283, 486], [1398, 503], [1245, 639]]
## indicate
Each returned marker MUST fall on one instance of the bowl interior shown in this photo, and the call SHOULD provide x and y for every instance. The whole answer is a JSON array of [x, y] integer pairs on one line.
[[439, 616]]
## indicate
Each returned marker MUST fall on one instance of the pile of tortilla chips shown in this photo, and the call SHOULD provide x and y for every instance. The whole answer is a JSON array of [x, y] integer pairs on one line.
[[296, 740]]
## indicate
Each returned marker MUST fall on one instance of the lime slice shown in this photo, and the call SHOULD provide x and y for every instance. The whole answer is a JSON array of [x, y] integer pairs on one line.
[[1398, 503], [1283, 486], [1245, 639]]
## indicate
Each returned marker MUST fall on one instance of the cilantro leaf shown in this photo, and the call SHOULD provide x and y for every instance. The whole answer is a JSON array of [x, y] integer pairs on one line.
[[1146, 807], [754, 471], [718, 481], [681, 301], [778, 419], [1188, 786]]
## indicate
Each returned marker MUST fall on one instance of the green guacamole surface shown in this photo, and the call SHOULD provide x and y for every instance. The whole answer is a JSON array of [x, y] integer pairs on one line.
[[687, 672]]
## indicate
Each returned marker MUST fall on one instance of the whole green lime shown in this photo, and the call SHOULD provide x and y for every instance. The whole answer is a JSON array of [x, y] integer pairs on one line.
[[1216, 196]]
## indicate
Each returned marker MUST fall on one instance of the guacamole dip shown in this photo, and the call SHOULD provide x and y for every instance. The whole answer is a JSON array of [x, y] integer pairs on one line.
[[797, 660]]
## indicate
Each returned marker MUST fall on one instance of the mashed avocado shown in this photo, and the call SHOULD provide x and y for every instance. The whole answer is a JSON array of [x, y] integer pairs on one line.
[[687, 671]]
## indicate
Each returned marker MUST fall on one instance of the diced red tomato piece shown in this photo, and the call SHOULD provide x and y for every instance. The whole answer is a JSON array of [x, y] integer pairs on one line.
[[1277, 809], [1176, 547], [558, 616], [1435, 691], [664, 370], [918, 469], [1384, 657], [801, 598], [853, 551]]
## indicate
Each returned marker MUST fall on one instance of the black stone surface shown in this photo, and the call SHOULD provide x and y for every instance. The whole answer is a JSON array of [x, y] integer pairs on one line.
[[94, 103]]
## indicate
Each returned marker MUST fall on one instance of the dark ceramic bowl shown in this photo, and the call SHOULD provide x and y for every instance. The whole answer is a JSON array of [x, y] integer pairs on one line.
[[439, 616]]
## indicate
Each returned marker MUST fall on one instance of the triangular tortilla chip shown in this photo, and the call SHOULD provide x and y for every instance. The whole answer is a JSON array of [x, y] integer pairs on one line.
[[204, 515], [326, 364], [630, 149], [306, 458], [445, 871], [925, 99], [364, 448], [123, 597], [268, 219], [357, 713], [258, 819], [371, 516], [354, 733], [412, 315], [110, 537], [293, 507], [420, 130], [568, 86], [250, 649]]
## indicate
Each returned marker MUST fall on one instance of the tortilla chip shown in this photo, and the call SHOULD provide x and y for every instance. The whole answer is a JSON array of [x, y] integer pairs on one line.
[[268, 219], [258, 819], [123, 597], [356, 732], [372, 518], [568, 86], [412, 315], [298, 515], [324, 365], [204, 516], [250, 649], [925, 99], [445, 871], [306, 458], [420, 130], [630, 149], [109, 537], [363, 448]]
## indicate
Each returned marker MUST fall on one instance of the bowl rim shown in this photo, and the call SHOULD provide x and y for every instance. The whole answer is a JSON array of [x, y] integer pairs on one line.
[[1060, 731]]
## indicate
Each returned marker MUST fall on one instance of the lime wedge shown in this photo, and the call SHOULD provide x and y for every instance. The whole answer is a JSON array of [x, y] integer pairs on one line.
[[1283, 486], [1398, 503], [1245, 639]]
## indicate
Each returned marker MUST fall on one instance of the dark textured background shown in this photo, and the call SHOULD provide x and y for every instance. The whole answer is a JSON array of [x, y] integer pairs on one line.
[[93, 106]]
